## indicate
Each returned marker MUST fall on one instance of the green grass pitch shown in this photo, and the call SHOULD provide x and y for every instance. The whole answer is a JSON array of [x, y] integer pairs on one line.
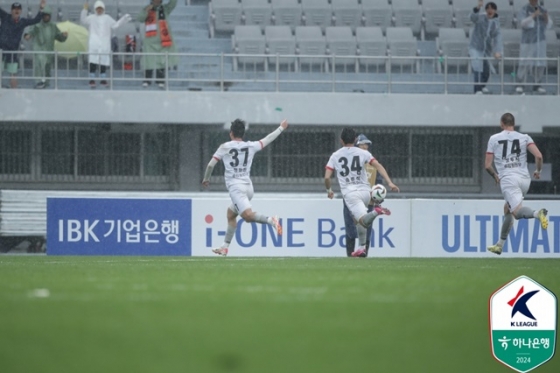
[[266, 315]]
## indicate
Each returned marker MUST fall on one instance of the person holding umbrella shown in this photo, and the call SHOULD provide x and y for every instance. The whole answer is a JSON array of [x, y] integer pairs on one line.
[[12, 26], [44, 34], [100, 26]]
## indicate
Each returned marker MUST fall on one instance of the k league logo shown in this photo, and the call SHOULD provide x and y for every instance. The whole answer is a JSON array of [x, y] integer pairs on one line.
[[523, 324]]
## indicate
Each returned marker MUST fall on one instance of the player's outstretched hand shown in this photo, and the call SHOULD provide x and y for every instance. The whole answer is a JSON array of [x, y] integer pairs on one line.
[[284, 124], [205, 183], [330, 194], [394, 188]]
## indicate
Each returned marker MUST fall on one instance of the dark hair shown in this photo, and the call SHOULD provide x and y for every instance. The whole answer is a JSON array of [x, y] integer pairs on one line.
[[491, 5], [508, 120], [238, 128], [348, 135]]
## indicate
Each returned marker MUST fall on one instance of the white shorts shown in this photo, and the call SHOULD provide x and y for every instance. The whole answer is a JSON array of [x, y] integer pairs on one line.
[[514, 188], [357, 203], [241, 196]]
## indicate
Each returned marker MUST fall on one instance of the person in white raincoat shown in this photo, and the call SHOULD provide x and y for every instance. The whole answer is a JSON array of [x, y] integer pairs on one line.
[[533, 20], [100, 26]]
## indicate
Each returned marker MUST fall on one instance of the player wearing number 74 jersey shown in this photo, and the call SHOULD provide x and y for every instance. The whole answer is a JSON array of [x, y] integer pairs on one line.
[[348, 162], [237, 156], [508, 151]]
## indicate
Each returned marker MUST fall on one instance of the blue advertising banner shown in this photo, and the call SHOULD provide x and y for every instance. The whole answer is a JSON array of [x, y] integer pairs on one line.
[[111, 226]]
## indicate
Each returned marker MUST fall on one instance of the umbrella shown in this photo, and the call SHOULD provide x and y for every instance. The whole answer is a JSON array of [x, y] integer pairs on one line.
[[76, 43]]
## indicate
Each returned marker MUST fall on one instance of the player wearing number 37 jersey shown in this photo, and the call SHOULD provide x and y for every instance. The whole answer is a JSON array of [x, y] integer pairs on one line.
[[349, 165], [508, 151], [237, 156]]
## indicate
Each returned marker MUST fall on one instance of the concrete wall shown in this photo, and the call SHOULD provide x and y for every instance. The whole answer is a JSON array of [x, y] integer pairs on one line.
[[185, 107]]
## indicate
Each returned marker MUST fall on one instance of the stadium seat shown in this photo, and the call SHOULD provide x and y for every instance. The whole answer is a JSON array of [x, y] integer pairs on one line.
[[347, 13], [317, 13], [248, 40], [408, 13], [311, 42], [287, 13], [511, 40], [257, 12], [377, 13], [462, 10], [371, 43], [552, 48], [280, 41], [453, 42], [505, 14], [553, 9], [341, 42], [402, 43], [224, 16], [437, 14]]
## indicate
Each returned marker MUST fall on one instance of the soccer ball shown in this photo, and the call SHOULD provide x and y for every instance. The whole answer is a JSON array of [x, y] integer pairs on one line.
[[378, 193]]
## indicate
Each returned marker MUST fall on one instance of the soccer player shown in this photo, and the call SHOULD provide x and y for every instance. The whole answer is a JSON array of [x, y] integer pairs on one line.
[[237, 156], [508, 151], [373, 177], [349, 162]]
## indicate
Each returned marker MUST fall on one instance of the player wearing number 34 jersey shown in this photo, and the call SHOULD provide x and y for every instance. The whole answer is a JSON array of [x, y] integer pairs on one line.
[[237, 156], [349, 165], [508, 151]]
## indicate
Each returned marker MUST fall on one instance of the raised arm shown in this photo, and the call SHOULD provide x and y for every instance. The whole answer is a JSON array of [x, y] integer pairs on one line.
[[379, 167], [274, 134], [170, 6], [84, 20], [474, 14], [122, 21]]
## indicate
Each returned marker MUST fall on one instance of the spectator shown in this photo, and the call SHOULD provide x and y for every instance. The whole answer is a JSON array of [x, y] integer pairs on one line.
[[11, 31], [44, 34], [158, 40], [486, 41], [534, 20], [100, 26]]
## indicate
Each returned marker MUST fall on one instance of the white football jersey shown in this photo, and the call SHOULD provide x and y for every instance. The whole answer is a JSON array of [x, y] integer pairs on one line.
[[510, 153], [349, 166], [237, 157]]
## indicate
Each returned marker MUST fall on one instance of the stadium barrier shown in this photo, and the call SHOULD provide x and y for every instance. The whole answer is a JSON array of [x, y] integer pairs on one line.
[[313, 227], [217, 72]]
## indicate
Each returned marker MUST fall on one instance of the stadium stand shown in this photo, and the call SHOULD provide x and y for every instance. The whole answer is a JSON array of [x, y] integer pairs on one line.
[[257, 12], [453, 42], [553, 8], [341, 42], [505, 14], [552, 49], [347, 13], [437, 14], [403, 45], [287, 13], [281, 41], [317, 13], [377, 13], [371, 43], [462, 10], [310, 43], [249, 40], [408, 13], [224, 16], [511, 40]]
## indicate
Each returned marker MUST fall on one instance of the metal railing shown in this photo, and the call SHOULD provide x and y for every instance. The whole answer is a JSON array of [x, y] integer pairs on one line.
[[290, 73]]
